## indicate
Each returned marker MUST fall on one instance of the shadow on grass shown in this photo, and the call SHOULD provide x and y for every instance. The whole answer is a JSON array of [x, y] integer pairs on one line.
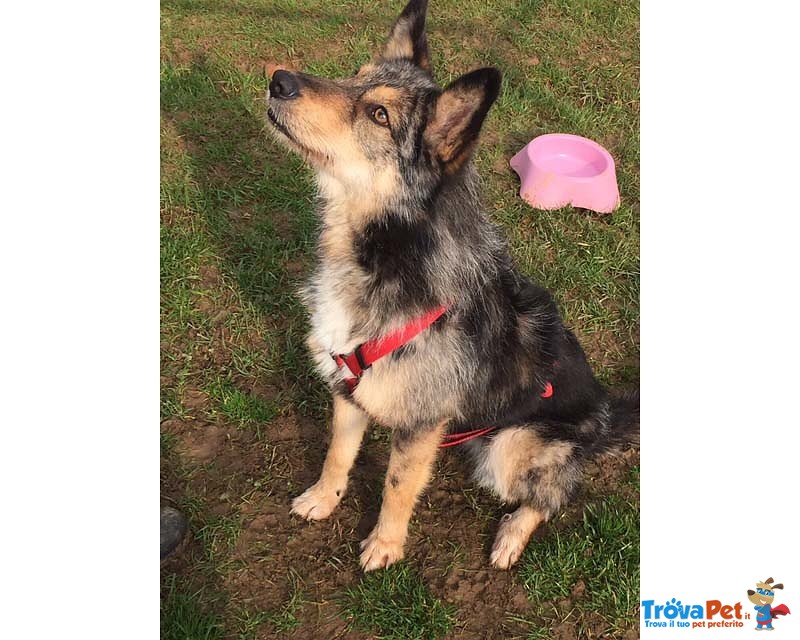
[[258, 207], [255, 205]]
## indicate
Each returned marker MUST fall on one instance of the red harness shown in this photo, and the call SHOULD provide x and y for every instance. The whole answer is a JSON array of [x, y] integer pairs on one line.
[[452, 439], [366, 354]]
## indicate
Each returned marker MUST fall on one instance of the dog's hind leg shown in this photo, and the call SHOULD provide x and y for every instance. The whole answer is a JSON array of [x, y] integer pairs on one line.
[[539, 474], [410, 465], [349, 425], [513, 535]]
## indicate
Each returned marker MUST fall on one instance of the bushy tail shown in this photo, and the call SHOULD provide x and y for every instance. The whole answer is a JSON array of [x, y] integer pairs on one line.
[[622, 428], [624, 419]]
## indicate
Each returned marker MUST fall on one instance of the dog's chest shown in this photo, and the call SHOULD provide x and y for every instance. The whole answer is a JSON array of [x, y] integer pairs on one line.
[[332, 322]]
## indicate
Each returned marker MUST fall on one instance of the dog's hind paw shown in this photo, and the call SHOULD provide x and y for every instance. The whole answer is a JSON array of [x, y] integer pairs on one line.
[[316, 503], [506, 552], [512, 537], [379, 553]]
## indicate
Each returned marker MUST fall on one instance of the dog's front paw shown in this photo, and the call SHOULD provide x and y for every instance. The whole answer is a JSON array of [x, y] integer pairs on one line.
[[509, 544], [378, 552], [316, 503]]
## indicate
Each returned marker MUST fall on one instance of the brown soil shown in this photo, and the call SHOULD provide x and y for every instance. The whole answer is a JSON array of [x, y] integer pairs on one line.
[[252, 482]]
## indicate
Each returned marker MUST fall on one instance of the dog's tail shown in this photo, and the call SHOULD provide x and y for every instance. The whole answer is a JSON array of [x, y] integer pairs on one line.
[[624, 418], [621, 427]]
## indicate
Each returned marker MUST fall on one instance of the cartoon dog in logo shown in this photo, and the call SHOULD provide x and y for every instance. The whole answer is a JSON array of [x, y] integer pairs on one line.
[[762, 597]]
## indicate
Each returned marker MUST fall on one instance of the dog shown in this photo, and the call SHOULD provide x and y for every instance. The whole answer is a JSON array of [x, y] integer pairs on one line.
[[763, 597], [419, 321]]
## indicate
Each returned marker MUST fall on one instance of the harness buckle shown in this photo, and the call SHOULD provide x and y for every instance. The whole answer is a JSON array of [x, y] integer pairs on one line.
[[352, 364]]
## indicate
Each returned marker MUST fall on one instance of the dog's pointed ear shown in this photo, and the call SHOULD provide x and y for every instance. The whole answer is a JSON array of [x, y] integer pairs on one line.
[[458, 114], [407, 40], [778, 586]]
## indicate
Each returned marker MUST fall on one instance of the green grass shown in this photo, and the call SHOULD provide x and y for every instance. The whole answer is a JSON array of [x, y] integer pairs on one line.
[[601, 552], [218, 536], [282, 620], [395, 604], [167, 444], [285, 618], [240, 406], [184, 617], [237, 239]]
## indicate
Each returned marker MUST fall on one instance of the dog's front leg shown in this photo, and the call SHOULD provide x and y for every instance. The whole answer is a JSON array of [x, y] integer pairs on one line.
[[410, 466], [349, 424]]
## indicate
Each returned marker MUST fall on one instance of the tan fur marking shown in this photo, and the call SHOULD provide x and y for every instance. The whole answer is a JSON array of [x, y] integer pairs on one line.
[[387, 397], [382, 95], [456, 161], [349, 424], [393, 391], [336, 243], [513, 534], [354, 175], [410, 466], [320, 128], [447, 131], [349, 207], [452, 115], [511, 454], [325, 111], [399, 44]]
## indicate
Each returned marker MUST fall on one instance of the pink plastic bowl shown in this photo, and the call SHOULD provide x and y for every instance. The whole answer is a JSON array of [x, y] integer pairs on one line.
[[558, 169]]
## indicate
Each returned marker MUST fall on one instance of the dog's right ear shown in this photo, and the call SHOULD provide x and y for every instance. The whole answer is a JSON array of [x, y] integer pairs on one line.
[[408, 41], [458, 115]]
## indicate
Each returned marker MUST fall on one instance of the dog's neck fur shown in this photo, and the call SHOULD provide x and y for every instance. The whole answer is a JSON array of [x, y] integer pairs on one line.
[[348, 203], [396, 256], [345, 207]]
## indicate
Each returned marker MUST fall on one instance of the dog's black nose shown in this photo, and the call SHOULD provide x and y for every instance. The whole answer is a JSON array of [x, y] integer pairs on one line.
[[284, 85]]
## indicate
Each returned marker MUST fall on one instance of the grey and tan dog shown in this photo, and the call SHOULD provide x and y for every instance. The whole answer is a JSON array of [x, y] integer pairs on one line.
[[410, 265]]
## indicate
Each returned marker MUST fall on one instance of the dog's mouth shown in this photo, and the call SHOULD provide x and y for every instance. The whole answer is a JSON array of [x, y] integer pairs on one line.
[[279, 125], [310, 155]]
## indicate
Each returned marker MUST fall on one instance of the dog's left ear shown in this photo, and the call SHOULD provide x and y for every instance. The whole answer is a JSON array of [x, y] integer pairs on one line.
[[407, 40], [458, 115]]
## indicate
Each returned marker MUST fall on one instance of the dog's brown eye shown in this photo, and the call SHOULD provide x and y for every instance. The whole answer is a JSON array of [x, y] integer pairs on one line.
[[380, 116]]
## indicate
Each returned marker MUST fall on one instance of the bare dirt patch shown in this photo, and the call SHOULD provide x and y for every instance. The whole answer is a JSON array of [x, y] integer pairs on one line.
[[252, 483]]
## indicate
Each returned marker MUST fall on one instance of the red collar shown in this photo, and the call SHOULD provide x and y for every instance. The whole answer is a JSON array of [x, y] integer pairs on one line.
[[366, 354]]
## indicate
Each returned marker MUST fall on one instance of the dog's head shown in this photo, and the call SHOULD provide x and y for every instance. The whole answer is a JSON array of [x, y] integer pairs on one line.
[[389, 127], [764, 593]]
